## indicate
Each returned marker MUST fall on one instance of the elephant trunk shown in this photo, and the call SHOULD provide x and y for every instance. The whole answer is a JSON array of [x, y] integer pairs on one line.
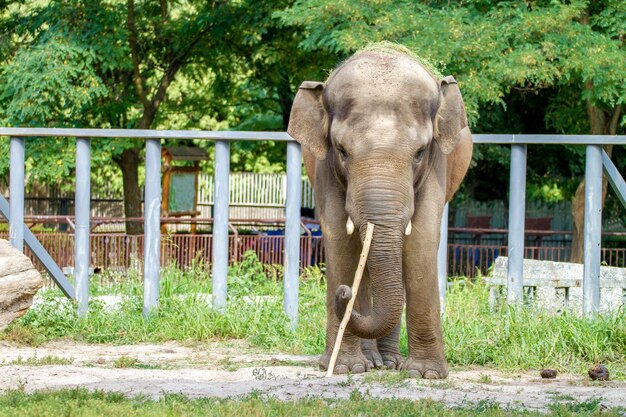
[[388, 204], [385, 270]]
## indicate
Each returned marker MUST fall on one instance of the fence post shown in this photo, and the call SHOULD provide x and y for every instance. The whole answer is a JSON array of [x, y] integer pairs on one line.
[[220, 224], [292, 231], [442, 258], [592, 229], [517, 213], [81, 234], [16, 193], [152, 229]]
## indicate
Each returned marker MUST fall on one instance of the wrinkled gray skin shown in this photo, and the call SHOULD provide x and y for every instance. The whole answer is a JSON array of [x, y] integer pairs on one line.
[[384, 142]]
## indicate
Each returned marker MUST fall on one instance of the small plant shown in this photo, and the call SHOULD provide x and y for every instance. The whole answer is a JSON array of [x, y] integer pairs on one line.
[[262, 374], [228, 364], [388, 378], [355, 395], [348, 382], [125, 362], [44, 361], [248, 277], [21, 334], [587, 407], [557, 396], [485, 379], [438, 384], [486, 406]]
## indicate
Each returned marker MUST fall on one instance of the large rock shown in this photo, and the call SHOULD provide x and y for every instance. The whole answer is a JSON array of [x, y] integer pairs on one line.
[[19, 282]]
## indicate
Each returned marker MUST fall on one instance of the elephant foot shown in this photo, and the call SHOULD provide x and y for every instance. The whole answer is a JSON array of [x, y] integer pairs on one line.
[[427, 369], [392, 360], [355, 363], [370, 351]]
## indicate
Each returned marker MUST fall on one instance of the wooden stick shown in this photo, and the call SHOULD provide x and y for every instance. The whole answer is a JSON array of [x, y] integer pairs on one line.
[[355, 288]]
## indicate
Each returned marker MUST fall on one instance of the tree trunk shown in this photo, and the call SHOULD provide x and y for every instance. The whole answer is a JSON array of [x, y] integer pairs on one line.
[[602, 123], [285, 96], [129, 159], [129, 164]]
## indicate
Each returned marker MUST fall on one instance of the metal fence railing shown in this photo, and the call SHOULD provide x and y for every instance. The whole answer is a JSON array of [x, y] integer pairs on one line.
[[117, 253], [596, 160]]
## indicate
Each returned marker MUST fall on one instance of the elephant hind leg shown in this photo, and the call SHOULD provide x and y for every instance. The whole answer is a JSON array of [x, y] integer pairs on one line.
[[371, 353], [389, 349]]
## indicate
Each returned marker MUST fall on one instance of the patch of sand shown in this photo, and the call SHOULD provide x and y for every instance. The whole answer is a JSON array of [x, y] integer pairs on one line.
[[234, 369]]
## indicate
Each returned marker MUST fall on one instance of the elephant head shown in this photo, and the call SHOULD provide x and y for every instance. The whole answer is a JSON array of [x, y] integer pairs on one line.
[[381, 122]]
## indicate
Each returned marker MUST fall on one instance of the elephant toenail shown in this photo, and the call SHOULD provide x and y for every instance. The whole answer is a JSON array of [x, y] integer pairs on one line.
[[390, 365], [341, 369], [414, 373], [358, 369], [430, 374], [370, 364], [378, 364]]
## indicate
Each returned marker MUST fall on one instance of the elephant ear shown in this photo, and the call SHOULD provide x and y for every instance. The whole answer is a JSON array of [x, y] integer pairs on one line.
[[308, 119], [451, 118]]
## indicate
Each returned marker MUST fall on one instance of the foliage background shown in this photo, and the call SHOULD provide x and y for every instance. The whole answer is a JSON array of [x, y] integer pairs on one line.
[[523, 67]]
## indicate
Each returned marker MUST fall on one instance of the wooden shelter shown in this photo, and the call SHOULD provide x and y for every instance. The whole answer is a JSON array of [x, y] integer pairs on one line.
[[180, 183]]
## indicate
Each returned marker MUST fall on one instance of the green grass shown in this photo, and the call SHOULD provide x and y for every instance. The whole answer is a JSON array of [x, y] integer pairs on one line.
[[125, 362], [387, 378], [510, 339], [254, 313], [396, 47], [529, 338], [43, 361], [82, 403]]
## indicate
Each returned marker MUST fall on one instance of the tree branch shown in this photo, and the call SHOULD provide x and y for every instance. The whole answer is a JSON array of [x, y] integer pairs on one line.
[[615, 119], [170, 73], [132, 40]]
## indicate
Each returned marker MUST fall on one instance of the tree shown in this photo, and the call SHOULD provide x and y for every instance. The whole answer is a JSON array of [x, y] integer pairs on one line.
[[150, 64], [497, 50], [107, 64]]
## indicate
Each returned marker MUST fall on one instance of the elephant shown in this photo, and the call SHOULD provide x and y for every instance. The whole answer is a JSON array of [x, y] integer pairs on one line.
[[385, 141]]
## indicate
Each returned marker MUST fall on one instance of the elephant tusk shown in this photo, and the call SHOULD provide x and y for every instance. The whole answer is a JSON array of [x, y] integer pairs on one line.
[[349, 226], [409, 228]]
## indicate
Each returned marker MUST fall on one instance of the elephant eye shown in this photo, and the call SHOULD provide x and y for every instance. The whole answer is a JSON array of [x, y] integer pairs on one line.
[[419, 155], [342, 152]]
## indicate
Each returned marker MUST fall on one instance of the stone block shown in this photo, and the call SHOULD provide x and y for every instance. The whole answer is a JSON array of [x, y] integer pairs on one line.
[[556, 286], [19, 282]]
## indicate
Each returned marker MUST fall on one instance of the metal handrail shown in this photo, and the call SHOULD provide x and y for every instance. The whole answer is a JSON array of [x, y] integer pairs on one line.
[[232, 135], [593, 203]]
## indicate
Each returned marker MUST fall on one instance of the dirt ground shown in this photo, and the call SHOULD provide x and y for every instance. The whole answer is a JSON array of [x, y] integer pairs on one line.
[[233, 369]]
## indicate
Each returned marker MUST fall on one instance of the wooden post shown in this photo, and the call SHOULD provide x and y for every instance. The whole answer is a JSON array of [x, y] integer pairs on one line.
[[165, 191], [193, 228], [355, 288]]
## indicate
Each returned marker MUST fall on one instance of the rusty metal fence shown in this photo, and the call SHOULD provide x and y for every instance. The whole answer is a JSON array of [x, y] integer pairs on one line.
[[119, 252]]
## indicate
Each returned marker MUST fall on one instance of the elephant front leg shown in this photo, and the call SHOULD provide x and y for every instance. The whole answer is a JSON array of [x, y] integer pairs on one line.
[[383, 352], [425, 336], [342, 259]]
